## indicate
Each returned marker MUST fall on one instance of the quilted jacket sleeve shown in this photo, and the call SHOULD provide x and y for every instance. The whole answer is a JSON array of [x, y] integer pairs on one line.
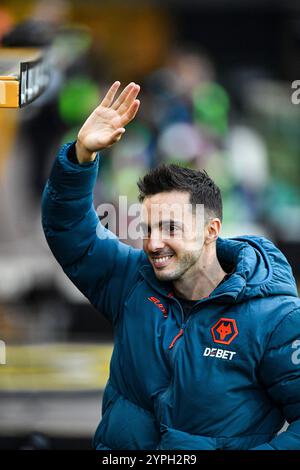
[[280, 373], [93, 258]]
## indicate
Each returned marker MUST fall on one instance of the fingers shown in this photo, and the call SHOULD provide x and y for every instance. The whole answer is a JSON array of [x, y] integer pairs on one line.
[[124, 95], [130, 113], [128, 101], [109, 97], [124, 102]]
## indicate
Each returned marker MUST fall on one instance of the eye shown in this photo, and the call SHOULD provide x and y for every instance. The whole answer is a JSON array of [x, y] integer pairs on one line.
[[144, 231], [170, 228]]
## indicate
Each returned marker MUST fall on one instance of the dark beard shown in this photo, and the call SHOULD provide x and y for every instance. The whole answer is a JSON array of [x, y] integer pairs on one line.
[[183, 265]]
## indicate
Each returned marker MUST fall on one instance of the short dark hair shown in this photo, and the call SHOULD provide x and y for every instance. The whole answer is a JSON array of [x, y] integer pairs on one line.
[[202, 189]]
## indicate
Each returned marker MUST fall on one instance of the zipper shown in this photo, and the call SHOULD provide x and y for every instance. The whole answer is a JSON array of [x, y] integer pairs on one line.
[[184, 323], [183, 326], [176, 338], [173, 342]]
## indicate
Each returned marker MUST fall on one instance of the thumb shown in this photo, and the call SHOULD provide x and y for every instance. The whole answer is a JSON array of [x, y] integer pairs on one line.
[[116, 136]]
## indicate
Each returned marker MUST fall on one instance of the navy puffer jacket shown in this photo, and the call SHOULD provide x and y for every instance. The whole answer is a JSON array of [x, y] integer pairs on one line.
[[226, 378]]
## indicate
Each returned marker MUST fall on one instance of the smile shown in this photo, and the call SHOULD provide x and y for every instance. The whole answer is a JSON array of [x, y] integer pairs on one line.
[[161, 261]]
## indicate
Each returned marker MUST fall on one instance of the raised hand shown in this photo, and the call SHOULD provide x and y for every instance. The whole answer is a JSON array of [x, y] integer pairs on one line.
[[105, 125]]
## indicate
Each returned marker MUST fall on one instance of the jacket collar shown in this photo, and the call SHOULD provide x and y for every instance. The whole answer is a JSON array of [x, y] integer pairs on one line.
[[229, 291]]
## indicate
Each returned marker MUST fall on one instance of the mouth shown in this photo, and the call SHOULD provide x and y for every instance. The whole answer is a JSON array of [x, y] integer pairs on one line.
[[161, 261]]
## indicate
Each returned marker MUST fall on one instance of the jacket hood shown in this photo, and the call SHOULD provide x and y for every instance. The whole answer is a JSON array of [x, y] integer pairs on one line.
[[261, 269]]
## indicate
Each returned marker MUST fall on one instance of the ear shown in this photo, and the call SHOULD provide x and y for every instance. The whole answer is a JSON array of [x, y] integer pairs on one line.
[[212, 230]]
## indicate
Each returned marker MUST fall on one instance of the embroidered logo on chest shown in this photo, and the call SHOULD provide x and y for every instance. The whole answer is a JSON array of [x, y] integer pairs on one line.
[[224, 331]]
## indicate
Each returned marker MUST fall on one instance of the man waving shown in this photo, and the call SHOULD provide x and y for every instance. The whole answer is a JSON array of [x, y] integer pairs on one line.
[[207, 330]]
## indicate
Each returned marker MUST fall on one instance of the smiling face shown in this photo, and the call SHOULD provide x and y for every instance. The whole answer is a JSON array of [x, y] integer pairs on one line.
[[174, 234]]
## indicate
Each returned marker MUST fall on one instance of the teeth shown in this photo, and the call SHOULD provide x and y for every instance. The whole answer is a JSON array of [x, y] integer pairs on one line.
[[161, 260]]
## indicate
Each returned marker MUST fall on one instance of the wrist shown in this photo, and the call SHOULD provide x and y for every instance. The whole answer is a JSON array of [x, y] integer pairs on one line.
[[83, 155]]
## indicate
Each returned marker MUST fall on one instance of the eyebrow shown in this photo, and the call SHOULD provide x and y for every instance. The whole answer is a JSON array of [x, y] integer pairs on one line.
[[161, 223]]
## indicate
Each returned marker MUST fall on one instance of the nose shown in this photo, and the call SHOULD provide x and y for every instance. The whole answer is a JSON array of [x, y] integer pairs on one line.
[[155, 242]]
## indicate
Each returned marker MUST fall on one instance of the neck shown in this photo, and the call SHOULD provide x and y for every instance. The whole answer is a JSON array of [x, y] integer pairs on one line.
[[201, 279]]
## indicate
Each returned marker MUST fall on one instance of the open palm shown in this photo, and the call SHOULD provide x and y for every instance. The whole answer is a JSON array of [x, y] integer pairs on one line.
[[105, 125]]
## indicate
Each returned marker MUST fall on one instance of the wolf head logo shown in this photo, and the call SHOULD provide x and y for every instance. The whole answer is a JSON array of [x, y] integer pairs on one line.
[[224, 330]]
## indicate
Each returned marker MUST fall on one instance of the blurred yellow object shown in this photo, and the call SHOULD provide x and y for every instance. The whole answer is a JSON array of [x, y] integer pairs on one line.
[[9, 92], [24, 75], [20, 71], [55, 367], [8, 126]]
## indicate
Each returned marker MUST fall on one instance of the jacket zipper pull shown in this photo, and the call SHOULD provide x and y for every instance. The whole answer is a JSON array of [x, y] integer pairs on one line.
[[176, 338]]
